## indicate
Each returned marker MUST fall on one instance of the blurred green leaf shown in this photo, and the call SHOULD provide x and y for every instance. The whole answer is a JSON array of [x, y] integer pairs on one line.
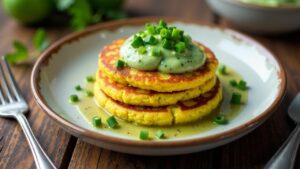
[[20, 53], [81, 14], [64, 4], [40, 40]]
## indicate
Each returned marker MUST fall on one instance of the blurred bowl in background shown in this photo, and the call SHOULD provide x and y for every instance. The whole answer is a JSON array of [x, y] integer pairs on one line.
[[258, 18]]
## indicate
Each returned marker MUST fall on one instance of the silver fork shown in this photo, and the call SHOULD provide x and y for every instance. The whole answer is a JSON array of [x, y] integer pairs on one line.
[[13, 105]]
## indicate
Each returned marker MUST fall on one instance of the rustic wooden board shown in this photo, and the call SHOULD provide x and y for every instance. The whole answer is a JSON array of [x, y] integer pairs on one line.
[[249, 152]]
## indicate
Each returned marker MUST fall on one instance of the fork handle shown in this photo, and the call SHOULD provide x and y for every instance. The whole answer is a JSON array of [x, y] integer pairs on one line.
[[42, 161], [285, 156]]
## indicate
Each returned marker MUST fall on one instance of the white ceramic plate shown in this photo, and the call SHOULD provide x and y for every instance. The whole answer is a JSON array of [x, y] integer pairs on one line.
[[68, 62]]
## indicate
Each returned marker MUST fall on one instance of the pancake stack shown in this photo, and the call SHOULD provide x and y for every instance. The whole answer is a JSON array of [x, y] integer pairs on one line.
[[154, 98]]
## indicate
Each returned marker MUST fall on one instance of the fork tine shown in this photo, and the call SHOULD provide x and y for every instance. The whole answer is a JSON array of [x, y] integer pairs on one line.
[[12, 82], [4, 83], [2, 101]]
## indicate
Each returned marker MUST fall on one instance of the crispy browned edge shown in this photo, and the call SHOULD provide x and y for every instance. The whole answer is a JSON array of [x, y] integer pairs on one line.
[[43, 59], [261, 7]]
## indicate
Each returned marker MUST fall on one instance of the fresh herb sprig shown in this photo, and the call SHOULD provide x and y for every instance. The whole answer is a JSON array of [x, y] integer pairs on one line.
[[83, 13], [21, 53]]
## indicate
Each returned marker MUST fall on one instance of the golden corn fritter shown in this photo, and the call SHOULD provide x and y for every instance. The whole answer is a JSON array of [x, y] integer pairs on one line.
[[135, 96], [182, 112], [153, 80]]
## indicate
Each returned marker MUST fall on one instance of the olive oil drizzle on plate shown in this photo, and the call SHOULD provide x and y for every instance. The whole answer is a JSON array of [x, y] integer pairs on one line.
[[89, 109]]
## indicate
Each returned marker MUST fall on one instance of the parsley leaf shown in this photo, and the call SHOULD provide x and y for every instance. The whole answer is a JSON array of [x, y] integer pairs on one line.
[[40, 40], [20, 53], [81, 14]]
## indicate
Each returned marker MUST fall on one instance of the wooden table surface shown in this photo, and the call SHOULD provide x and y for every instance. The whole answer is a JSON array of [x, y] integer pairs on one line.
[[66, 151]]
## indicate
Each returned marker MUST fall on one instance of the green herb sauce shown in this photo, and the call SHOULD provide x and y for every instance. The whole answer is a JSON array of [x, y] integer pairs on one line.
[[162, 48], [169, 61]]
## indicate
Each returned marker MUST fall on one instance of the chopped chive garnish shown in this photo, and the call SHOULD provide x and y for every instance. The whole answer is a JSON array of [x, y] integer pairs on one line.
[[151, 40], [90, 79], [142, 50], [164, 33], [236, 98], [120, 64], [166, 44], [162, 23], [220, 119], [89, 93], [222, 70], [151, 29], [156, 52], [96, 121], [159, 134], [137, 42], [144, 135], [233, 83], [73, 98], [180, 47], [158, 28], [175, 33], [78, 88], [112, 122], [242, 85], [168, 37], [143, 34]]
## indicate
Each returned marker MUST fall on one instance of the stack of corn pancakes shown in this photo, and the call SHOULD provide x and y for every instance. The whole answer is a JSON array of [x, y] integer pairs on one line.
[[154, 98]]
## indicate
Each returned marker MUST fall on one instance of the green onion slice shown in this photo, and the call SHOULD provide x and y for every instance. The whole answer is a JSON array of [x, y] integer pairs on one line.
[[180, 47], [242, 85], [78, 88], [96, 121], [220, 119], [90, 79], [73, 98], [233, 83], [236, 98], [89, 93], [120, 64], [222, 70], [142, 50], [112, 122], [162, 23], [137, 42], [160, 134], [166, 44], [156, 52], [144, 135]]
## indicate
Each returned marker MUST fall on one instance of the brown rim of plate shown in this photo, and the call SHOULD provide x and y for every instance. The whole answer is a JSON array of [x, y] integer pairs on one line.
[[74, 128], [284, 7]]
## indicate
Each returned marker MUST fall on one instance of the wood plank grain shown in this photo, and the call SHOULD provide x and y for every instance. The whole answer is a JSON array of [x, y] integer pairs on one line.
[[14, 149], [92, 157], [249, 152], [195, 9], [3, 18]]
